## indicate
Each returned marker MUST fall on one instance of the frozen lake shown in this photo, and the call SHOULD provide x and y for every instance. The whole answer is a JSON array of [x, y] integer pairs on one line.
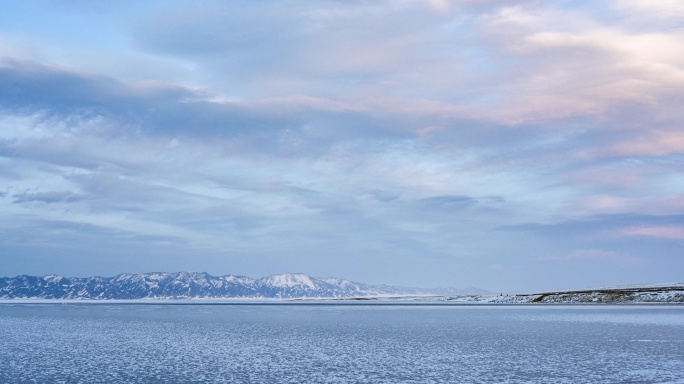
[[140, 343]]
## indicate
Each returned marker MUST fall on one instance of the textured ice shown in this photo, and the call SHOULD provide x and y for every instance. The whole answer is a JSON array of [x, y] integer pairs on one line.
[[140, 343]]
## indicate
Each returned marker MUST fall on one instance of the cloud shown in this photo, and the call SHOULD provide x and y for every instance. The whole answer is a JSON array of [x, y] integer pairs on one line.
[[636, 200], [594, 256], [599, 227], [608, 177], [656, 143], [658, 13], [35, 88], [50, 197], [662, 232], [452, 203], [354, 135], [65, 101], [448, 202], [590, 254]]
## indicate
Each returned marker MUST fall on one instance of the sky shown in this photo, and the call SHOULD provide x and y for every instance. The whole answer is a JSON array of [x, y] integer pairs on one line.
[[506, 145]]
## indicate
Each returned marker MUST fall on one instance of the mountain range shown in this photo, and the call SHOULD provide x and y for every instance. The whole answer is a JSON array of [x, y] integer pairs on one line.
[[187, 285]]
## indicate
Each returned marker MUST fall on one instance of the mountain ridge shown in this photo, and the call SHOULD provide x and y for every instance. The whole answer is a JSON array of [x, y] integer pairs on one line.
[[188, 285]]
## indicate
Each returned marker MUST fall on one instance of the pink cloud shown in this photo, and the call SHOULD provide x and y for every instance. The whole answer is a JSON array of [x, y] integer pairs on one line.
[[591, 254], [654, 204], [663, 232], [600, 204], [608, 177], [657, 143]]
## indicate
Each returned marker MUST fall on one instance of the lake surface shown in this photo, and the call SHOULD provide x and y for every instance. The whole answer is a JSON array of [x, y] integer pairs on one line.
[[140, 343]]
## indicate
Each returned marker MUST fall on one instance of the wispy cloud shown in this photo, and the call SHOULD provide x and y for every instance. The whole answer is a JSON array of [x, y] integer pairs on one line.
[[663, 232], [47, 197]]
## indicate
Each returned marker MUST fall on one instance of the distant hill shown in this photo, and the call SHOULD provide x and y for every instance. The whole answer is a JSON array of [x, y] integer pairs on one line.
[[186, 285], [655, 293]]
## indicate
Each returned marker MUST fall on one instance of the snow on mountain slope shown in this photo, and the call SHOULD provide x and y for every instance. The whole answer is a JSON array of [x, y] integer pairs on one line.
[[290, 280]]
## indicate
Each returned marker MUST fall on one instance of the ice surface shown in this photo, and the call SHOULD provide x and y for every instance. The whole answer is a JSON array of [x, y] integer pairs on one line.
[[140, 343]]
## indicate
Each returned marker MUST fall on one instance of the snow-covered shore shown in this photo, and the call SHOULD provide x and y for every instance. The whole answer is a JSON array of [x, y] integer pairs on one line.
[[673, 294]]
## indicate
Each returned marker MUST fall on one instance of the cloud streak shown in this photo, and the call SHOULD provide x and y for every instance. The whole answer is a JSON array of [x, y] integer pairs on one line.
[[663, 232]]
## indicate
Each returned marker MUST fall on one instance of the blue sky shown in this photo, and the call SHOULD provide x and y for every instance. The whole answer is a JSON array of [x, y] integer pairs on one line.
[[505, 145]]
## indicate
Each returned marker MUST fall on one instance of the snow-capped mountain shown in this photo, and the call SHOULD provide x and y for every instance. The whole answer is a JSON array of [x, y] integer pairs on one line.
[[190, 285]]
